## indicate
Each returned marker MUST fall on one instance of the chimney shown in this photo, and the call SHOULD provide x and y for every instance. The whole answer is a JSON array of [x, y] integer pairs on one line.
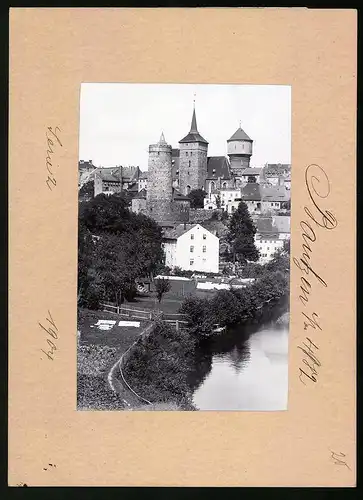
[[185, 225], [90, 162]]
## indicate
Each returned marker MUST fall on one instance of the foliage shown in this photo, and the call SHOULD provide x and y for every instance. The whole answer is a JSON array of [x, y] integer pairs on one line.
[[93, 391], [87, 191], [251, 270], [280, 262], [218, 201], [115, 247], [286, 205], [224, 216], [200, 316], [286, 247], [197, 198], [162, 286], [241, 235], [231, 306], [158, 366]]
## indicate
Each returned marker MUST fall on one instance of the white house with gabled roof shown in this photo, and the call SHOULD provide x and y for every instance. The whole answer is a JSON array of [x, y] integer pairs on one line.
[[192, 248]]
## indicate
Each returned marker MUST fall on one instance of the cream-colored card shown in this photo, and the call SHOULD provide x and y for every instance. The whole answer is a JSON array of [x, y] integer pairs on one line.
[[54, 51]]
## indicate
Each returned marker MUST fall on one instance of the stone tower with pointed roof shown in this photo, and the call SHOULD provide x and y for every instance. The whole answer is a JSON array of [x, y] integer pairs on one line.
[[192, 159], [159, 190], [239, 150]]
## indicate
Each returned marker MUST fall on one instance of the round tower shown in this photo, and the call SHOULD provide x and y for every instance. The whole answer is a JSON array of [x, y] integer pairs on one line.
[[192, 159], [239, 150], [159, 186]]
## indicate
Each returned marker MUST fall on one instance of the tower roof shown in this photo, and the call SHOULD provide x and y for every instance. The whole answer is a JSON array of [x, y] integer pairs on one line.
[[239, 135], [162, 139], [194, 135]]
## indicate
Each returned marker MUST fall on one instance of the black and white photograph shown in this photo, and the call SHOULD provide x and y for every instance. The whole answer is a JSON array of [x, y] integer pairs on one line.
[[184, 209]]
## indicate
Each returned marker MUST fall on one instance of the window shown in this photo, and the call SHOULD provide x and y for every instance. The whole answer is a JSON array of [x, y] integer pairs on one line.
[[224, 184], [192, 236], [189, 163], [187, 153], [268, 248], [204, 260], [191, 153], [233, 208], [191, 249], [204, 249], [188, 188], [191, 262], [204, 236]]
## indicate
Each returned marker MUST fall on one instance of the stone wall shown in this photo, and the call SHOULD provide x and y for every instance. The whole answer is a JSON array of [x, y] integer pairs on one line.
[[192, 166], [138, 206], [197, 215], [159, 189]]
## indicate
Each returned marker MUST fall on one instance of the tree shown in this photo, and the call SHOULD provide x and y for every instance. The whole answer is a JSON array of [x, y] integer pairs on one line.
[[280, 262], [105, 213], [162, 285], [218, 201], [115, 262], [286, 205], [110, 215], [241, 235], [87, 191], [286, 247], [197, 198]]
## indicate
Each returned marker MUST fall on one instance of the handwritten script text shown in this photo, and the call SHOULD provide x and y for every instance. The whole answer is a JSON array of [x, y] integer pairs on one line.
[[50, 330], [53, 142], [318, 220]]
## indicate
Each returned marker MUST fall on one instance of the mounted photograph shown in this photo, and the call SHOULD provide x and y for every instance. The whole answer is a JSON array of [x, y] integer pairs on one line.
[[184, 209]]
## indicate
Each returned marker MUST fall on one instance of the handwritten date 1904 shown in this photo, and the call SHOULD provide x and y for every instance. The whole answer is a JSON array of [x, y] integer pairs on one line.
[[51, 330]]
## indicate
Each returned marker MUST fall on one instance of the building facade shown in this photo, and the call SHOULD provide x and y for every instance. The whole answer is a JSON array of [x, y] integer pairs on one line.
[[267, 245], [192, 248]]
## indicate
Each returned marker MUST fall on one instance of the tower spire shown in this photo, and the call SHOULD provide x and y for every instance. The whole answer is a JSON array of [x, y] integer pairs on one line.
[[193, 128], [162, 139]]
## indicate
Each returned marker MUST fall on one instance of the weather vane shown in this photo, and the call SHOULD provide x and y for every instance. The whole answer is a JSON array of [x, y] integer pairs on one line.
[[194, 99], [240, 124]]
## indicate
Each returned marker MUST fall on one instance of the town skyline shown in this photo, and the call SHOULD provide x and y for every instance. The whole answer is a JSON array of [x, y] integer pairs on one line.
[[106, 138]]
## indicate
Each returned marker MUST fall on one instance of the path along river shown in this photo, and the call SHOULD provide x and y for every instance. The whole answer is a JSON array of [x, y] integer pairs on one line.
[[246, 368]]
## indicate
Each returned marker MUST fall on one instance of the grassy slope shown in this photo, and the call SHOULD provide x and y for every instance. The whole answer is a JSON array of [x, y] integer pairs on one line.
[[98, 352]]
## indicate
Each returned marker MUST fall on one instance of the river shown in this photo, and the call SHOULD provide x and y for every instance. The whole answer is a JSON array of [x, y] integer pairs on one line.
[[246, 368]]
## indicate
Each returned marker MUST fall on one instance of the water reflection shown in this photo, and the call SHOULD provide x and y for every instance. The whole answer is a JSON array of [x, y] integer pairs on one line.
[[245, 369]]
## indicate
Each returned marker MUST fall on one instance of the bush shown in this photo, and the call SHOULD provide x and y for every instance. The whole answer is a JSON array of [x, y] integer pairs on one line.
[[159, 365], [226, 308], [231, 306], [162, 286]]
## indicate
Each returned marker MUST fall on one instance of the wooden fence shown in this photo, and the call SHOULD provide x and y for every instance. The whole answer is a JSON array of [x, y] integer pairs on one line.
[[176, 320]]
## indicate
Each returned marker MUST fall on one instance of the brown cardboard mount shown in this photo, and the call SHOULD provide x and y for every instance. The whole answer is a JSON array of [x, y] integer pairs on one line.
[[51, 52]]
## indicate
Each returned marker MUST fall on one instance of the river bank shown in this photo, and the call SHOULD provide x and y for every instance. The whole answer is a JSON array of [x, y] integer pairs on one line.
[[246, 369], [158, 364], [98, 351], [162, 366]]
